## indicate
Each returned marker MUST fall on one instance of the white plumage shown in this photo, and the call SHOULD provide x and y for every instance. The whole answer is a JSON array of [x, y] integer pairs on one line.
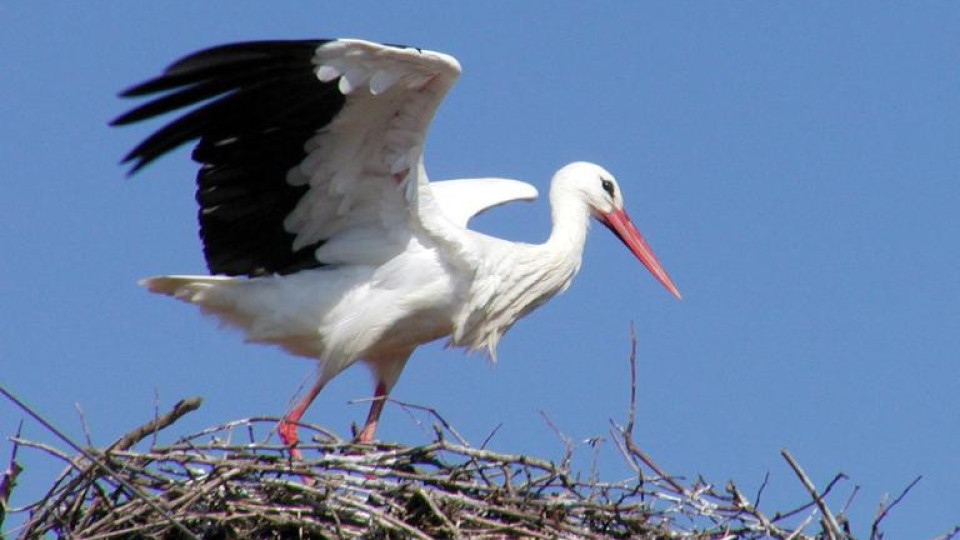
[[315, 203]]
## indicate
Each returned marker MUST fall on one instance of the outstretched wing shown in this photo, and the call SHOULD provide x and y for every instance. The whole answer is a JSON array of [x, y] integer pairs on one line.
[[302, 145], [463, 199]]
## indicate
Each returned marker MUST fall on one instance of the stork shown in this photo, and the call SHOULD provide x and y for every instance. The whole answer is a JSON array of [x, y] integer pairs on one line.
[[320, 228]]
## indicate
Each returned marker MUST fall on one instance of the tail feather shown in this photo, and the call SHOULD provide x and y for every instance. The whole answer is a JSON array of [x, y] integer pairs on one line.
[[187, 288], [267, 309], [211, 293]]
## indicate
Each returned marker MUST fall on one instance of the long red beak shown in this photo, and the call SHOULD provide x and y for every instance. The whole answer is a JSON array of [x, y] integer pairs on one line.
[[619, 223]]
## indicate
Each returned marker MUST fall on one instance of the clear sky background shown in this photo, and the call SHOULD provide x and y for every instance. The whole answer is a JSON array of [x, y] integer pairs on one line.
[[794, 164]]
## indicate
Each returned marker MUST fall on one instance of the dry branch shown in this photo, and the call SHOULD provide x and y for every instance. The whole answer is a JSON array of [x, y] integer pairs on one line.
[[831, 528], [215, 489], [9, 478], [182, 407]]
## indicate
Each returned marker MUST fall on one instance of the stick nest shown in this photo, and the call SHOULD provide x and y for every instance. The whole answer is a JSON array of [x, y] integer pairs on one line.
[[225, 482]]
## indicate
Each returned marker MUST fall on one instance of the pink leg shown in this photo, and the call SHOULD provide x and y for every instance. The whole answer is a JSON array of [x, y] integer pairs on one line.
[[287, 428], [386, 370], [380, 396]]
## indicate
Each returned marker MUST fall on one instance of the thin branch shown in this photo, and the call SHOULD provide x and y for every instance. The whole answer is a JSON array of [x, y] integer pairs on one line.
[[489, 437], [763, 486], [833, 529], [83, 424], [846, 506], [9, 479], [632, 411], [805, 506], [885, 509], [49, 449], [626, 432], [567, 443], [181, 408], [447, 524], [954, 533]]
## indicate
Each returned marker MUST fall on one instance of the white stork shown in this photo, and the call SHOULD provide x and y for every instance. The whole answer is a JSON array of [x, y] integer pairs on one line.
[[320, 226]]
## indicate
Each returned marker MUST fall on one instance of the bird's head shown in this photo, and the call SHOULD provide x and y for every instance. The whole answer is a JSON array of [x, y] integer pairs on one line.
[[599, 190]]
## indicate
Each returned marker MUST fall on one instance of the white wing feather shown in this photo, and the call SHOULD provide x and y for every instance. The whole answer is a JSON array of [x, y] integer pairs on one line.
[[463, 199], [357, 165]]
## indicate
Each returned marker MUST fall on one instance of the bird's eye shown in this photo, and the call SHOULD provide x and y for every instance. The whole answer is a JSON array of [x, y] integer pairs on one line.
[[608, 187]]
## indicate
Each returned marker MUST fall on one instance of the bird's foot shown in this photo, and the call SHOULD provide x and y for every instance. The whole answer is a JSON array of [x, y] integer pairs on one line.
[[366, 434], [287, 431]]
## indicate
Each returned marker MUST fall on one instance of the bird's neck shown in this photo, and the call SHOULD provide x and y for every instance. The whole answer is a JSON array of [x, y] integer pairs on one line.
[[571, 221], [561, 254]]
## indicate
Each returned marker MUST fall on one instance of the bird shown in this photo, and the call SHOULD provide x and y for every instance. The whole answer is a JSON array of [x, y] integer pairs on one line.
[[321, 231]]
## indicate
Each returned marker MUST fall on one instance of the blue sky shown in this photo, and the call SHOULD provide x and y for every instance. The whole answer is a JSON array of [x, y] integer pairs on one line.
[[794, 165]]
